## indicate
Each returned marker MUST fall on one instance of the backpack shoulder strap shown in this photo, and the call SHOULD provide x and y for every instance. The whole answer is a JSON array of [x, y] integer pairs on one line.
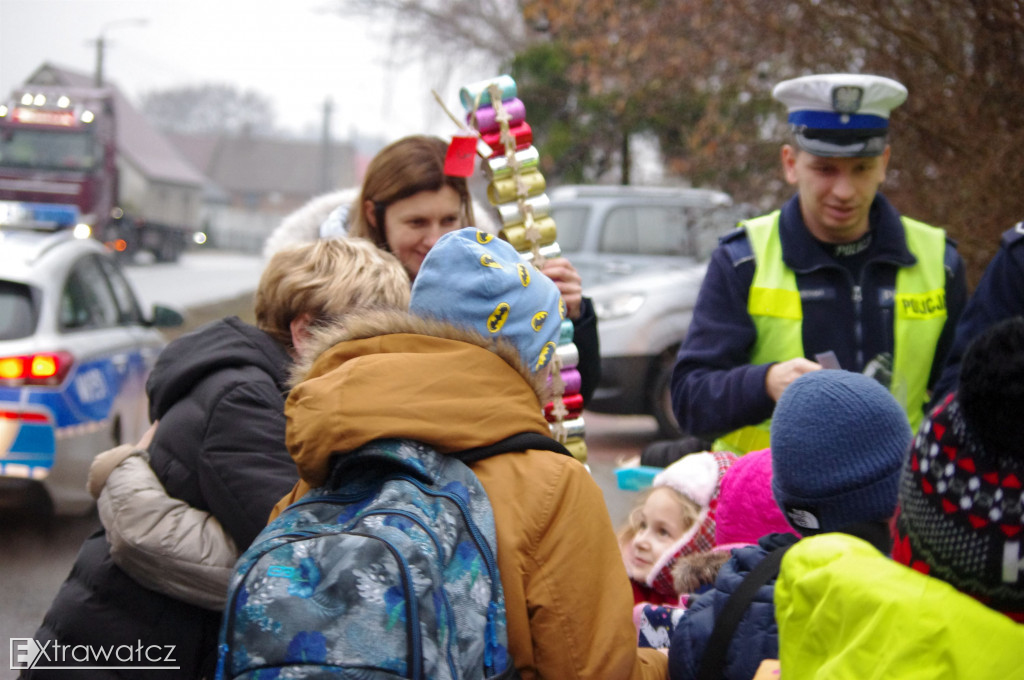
[[712, 663], [517, 442]]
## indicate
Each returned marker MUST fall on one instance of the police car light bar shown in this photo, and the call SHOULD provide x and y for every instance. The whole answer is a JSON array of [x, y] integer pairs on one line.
[[50, 216]]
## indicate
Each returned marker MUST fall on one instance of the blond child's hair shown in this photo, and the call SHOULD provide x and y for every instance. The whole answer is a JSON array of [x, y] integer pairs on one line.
[[326, 279], [688, 510]]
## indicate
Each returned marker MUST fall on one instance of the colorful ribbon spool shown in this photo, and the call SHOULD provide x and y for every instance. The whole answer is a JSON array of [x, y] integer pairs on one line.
[[546, 253], [578, 448], [521, 133], [525, 160], [571, 380], [573, 405], [574, 427], [507, 189], [516, 234], [566, 332], [511, 213], [476, 94], [487, 116], [568, 355]]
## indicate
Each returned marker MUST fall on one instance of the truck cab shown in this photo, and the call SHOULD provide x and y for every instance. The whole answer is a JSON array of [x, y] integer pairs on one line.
[[59, 167]]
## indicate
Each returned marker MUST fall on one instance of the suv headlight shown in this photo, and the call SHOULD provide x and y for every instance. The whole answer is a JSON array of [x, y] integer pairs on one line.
[[618, 305]]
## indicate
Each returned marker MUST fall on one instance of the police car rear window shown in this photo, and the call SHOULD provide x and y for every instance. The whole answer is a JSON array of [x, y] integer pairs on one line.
[[18, 315]]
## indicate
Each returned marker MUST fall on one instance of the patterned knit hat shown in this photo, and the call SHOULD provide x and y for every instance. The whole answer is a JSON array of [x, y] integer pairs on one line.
[[961, 510], [838, 444], [697, 476], [472, 279]]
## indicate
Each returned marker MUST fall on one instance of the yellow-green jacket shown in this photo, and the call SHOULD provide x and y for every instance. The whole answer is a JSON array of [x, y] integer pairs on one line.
[[844, 610]]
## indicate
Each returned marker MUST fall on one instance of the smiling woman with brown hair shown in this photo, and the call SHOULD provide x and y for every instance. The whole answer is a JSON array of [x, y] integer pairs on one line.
[[405, 204]]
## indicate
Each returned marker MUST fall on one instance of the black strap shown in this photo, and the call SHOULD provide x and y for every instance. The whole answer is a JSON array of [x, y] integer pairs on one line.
[[517, 442], [712, 663]]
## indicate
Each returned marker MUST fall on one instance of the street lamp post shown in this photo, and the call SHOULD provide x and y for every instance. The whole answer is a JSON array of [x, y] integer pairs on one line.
[[101, 45]]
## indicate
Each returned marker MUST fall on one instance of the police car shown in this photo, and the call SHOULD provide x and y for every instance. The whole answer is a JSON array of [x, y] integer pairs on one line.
[[75, 352]]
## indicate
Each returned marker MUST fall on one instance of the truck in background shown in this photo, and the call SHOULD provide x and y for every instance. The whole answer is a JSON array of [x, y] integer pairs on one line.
[[60, 164]]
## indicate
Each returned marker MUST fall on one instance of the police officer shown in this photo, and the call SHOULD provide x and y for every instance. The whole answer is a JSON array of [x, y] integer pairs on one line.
[[836, 278], [999, 296]]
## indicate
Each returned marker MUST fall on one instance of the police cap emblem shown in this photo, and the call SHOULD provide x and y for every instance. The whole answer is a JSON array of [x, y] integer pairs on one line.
[[847, 98]]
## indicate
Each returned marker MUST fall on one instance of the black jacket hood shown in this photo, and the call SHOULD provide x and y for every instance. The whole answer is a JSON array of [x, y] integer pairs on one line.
[[213, 347]]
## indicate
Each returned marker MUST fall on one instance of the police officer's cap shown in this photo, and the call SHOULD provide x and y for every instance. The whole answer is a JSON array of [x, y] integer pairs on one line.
[[840, 114]]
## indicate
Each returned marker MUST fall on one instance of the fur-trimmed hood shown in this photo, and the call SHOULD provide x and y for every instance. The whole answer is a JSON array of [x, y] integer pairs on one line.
[[303, 225], [384, 373], [369, 323]]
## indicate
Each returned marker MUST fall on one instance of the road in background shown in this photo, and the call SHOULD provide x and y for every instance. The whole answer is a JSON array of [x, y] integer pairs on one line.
[[199, 278], [38, 551]]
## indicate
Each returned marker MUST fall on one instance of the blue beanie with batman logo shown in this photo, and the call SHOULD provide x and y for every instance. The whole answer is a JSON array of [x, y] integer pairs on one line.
[[475, 280]]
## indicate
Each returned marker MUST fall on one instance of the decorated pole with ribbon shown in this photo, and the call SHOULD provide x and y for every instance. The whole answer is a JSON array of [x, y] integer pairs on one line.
[[516, 188]]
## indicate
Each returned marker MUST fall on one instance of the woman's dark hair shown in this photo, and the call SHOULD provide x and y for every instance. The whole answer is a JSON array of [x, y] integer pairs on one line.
[[400, 170]]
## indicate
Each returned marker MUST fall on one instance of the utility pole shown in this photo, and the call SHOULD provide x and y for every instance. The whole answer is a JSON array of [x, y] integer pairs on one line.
[[101, 43], [325, 156], [99, 61]]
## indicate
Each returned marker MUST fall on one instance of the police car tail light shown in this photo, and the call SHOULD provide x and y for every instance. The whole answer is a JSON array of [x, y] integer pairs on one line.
[[45, 368]]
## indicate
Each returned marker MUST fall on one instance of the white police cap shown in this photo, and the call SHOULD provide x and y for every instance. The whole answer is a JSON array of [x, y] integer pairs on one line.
[[840, 114]]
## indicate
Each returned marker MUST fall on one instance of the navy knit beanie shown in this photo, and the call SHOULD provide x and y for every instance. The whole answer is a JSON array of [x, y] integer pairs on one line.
[[838, 443]]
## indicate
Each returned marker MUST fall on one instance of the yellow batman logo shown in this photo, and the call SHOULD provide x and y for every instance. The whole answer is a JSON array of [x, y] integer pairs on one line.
[[561, 308], [546, 352], [498, 317], [524, 274], [538, 320], [484, 237], [489, 261]]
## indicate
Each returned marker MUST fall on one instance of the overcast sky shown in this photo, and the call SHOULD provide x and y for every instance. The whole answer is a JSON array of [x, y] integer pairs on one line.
[[292, 51]]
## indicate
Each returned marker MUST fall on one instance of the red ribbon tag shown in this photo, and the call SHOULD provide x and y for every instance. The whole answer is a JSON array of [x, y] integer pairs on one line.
[[461, 156]]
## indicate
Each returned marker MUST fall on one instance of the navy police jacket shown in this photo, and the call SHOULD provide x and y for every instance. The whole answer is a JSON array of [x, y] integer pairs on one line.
[[999, 296], [714, 387]]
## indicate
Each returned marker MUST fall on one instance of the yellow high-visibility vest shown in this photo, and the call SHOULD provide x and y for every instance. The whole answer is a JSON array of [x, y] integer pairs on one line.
[[919, 317]]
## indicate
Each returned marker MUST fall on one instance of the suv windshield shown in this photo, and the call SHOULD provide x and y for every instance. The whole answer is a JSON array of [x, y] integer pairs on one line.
[[17, 313], [646, 230]]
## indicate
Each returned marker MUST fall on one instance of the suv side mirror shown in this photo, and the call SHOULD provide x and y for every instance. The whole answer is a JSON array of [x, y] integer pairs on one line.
[[165, 317]]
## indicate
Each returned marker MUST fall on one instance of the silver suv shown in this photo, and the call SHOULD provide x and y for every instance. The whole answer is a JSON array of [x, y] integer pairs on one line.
[[642, 253]]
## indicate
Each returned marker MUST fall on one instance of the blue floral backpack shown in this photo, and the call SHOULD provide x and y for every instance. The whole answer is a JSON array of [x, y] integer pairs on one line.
[[387, 571]]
